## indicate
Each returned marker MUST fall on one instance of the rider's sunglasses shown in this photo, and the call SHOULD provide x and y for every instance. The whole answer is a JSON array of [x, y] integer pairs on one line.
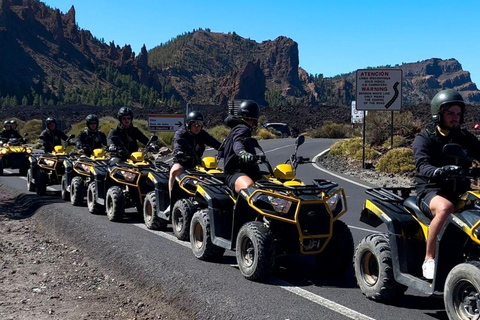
[[197, 123], [126, 118]]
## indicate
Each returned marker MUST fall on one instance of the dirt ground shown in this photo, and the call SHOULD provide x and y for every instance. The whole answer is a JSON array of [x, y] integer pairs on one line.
[[43, 278]]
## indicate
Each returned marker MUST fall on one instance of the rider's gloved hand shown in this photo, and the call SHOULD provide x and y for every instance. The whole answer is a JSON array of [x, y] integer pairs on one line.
[[445, 171], [246, 157], [112, 148]]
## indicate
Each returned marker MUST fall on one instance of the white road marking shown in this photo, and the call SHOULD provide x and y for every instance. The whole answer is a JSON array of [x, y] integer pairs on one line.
[[352, 314]]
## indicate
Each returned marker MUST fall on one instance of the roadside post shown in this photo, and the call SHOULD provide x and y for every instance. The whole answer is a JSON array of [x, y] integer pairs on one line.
[[378, 90]]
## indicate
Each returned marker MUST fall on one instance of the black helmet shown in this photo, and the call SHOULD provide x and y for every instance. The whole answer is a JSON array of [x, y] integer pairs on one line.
[[13, 122], [194, 116], [91, 118], [124, 111], [249, 110], [51, 120], [444, 100]]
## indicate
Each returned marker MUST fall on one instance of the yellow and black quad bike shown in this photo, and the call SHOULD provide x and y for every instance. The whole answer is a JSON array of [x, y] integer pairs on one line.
[[122, 184], [156, 212], [78, 175], [14, 154], [386, 264], [279, 215], [48, 168]]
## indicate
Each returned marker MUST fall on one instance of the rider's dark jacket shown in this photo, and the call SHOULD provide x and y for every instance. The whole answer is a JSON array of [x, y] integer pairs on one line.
[[233, 144], [192, 143], [128, 137], [52, 138], [88, 141], [5, 135], [428, 155]]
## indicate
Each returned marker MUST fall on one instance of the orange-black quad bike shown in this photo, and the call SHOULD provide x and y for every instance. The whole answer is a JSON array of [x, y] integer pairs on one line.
[[387, 264], [78, 175], [48, 168], [277, 216], [14, 154], [182, 201]]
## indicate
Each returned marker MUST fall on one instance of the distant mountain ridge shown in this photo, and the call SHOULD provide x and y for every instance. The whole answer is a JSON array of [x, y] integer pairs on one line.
[[47, 58]]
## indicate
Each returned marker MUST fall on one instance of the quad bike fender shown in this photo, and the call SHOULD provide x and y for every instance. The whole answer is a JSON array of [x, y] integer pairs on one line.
[[220, 203], [183, 187]]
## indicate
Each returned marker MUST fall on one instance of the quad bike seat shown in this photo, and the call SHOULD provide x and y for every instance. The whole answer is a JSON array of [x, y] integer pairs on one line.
[[411, 204]]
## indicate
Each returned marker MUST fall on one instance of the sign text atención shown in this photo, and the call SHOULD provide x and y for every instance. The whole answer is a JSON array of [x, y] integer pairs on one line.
[[379, 89]]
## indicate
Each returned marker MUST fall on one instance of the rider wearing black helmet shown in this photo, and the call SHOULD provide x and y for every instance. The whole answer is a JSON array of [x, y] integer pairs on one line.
[[91, 138], [8, 132], [51, 136], [240, 168], [128, 134], [189, 144], [435, 195]]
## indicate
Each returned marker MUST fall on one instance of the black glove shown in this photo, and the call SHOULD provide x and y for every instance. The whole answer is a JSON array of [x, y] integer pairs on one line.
[[153, 147], [445, 171], [246, 157]]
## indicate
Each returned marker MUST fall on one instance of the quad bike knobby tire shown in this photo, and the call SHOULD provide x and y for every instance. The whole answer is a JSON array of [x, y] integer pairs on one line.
[[374, 271], [93, 206], [336, 259], [115, 204], [30, 184], [182, 213], [77, 188], [152, 221], [41, 183], [64, 193], [255, 251], [462, 291], [201, 240]]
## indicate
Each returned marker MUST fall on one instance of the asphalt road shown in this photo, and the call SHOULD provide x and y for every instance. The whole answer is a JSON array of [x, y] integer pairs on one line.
[[218, 290]]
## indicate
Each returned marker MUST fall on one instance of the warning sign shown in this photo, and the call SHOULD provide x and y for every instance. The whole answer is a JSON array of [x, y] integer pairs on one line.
[[379, 89]]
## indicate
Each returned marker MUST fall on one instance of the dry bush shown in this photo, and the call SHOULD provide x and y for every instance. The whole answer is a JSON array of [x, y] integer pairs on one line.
[[263, 133], [398, 160], [219, 132], [332, 131], [398, 142], [33, 128], [378, 126]]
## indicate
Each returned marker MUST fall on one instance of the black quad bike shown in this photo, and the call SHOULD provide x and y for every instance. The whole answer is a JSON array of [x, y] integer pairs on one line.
[[48, 168], [122, 184], [156, 212], [386, 264], [14, 154], [279, 215], [78, 175]]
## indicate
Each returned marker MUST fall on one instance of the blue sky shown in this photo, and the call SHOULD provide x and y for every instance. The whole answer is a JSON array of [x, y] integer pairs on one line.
[[333, 37]]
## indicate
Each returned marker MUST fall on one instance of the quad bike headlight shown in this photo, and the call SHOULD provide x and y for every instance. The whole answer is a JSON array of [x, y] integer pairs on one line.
[[3, 151], [336, 204], [280, 205], [49, 163], [129, 176], [85, 167]]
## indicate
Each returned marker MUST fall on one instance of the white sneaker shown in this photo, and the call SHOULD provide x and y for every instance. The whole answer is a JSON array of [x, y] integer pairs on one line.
[[428, 269]]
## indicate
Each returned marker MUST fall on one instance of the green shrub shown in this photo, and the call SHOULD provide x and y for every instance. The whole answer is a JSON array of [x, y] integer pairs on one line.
[[398, 142], [332, 131], [219, 132], [370, 154], [399, 160], [347, 147]]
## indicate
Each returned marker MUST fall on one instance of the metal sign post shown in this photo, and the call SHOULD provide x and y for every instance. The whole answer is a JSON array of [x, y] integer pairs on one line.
[[378, 90]]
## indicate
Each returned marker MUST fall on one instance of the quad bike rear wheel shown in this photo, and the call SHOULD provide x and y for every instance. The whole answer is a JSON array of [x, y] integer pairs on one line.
[[200, 238], [77, 193], [64, 193], [462, 291], [93, 206], [255, 251], [41, 183], [182, 213], [374, 271], [152, 221], [115, 204], [336, 259], [30, 184]]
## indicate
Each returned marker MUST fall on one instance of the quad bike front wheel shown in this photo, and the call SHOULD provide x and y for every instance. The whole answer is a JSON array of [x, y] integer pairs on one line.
[[152, 221], [374, 270], [255, 251], [200, 238], [182, 213], [77, 193], [337, 256], [64, 193], [92, 205], [30, 184], [115, 204], [462, 291]]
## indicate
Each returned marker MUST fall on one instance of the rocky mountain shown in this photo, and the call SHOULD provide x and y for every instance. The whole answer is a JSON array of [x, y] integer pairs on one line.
[[46, 58]]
